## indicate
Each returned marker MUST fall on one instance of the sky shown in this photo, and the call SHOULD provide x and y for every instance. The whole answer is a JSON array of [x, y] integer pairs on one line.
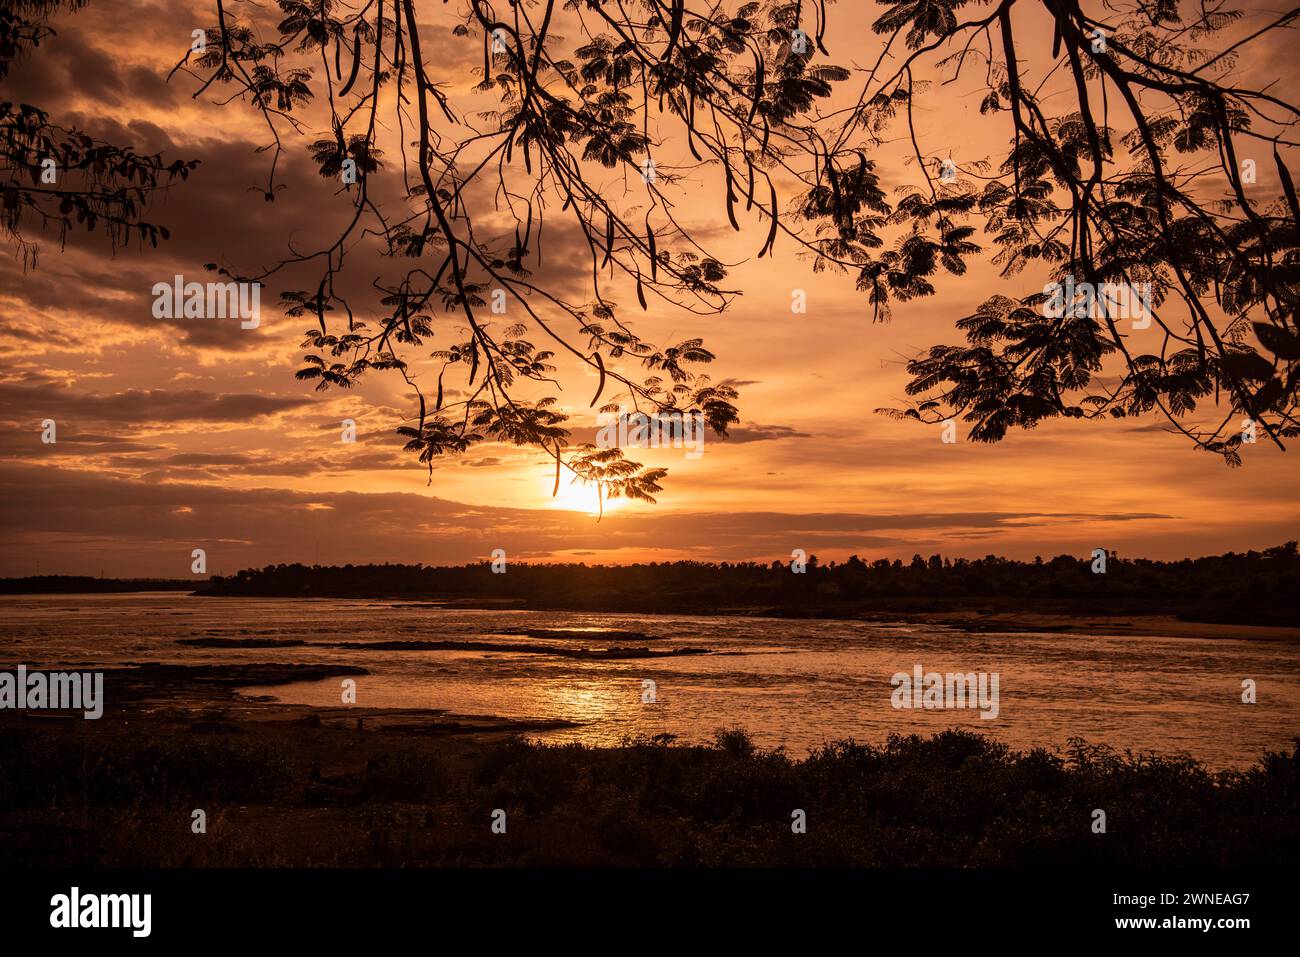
[[176, 434]]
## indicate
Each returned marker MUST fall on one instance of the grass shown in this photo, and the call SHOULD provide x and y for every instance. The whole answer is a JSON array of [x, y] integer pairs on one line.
[[326, 796]]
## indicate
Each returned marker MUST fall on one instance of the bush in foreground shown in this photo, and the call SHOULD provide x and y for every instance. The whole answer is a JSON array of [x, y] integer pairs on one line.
[[956, 799]]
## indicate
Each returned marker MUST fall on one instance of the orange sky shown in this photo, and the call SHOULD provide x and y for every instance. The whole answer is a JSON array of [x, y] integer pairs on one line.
[[176, 435]]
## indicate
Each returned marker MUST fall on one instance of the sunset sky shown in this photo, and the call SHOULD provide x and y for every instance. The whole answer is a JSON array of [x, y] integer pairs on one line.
[[177, 434]]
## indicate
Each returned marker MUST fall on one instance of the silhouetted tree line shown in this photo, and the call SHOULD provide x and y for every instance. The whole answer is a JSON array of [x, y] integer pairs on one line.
[[83, 584], [1251, 587]]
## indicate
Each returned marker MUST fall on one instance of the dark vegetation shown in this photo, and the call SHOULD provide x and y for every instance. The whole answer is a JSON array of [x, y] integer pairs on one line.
[[955, 799], [1255, 587], [84, 584]]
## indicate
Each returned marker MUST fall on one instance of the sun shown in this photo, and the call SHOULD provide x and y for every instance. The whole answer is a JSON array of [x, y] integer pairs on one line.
[[576, 497]]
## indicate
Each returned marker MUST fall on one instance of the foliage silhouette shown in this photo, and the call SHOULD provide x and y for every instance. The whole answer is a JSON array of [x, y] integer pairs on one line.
[[56, 178], [1091, 192], [1127, 146]]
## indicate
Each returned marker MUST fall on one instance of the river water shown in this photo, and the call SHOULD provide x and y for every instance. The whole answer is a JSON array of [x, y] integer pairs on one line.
[[795, 684]]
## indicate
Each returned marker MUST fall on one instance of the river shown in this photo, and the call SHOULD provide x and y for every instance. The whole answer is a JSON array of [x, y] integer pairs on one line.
[[794, 684]]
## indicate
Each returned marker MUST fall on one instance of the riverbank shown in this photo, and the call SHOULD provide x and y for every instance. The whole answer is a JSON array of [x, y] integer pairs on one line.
[[1151, 615], [994, 617], [1164, 626], [285, 785]]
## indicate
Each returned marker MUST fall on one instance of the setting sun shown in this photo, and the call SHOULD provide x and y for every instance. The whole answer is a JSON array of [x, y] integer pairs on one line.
[[576, 497]]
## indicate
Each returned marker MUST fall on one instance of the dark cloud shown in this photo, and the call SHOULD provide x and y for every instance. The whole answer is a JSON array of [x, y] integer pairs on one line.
[[133, 408], [762, 433], [22, 439]]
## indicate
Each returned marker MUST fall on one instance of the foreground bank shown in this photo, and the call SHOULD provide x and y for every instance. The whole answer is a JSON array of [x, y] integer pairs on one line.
[[212, 780]]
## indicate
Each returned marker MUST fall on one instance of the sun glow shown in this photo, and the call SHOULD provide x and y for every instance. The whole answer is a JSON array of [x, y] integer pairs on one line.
[[576, 497]]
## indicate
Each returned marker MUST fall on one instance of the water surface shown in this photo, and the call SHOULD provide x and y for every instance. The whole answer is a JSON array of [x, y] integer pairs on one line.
[[795, 684]]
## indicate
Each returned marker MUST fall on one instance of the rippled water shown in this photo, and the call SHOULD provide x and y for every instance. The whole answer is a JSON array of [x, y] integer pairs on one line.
[[791, 683]]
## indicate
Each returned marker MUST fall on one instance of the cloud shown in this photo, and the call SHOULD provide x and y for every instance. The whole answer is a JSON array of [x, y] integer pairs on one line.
[[147, 527], [742, 434], [133, 408]]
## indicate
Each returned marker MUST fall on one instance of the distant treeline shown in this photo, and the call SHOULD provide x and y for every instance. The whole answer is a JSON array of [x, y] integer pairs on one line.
[[1251, 587], [74, 584]]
